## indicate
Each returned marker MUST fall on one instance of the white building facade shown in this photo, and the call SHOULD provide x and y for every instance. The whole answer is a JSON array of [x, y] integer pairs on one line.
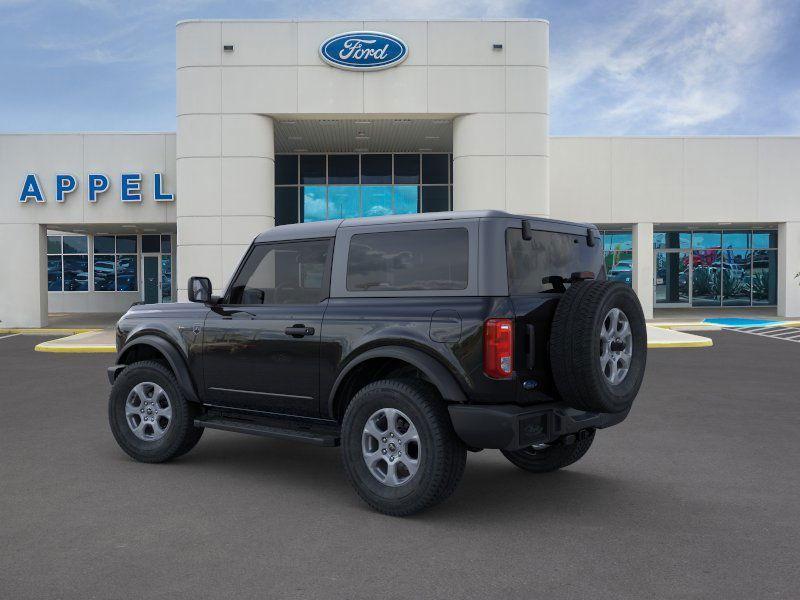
[[282, 121]]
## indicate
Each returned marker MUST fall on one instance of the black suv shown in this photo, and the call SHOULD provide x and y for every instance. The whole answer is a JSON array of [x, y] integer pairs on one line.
[[407, 339]]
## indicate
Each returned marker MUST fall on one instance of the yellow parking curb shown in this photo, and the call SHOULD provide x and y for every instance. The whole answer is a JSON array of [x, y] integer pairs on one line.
[[46, 331], [44, 347], [704, 343]]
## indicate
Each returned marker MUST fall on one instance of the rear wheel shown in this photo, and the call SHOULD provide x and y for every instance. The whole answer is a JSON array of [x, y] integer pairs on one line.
[[148, 415], [399, 449], [552, 457]]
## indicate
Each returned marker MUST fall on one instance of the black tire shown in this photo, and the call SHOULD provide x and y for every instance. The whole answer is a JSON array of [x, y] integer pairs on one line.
[[575, 346], [180, 435], [551, 458], [442, 455]]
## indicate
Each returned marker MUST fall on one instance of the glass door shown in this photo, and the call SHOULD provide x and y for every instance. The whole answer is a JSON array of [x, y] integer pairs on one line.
[[151, 278], [673, 278]]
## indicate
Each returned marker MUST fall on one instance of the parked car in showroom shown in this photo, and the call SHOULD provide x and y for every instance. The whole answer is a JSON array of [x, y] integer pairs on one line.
[[407, 340]]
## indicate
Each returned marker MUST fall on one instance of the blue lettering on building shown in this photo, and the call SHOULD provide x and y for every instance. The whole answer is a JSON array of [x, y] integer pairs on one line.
[[65, 184], [158, 195], [130, 187], [31, 190], [130, 190], [98, 183], [363, 50]]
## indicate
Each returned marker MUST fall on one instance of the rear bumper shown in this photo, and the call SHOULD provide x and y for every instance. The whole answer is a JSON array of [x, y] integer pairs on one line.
[[511, 427]]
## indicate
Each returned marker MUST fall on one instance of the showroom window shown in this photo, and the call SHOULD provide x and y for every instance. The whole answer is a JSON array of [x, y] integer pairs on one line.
[[115, 263], [716, 267], [618, 254], [67, 263], [316, 187]]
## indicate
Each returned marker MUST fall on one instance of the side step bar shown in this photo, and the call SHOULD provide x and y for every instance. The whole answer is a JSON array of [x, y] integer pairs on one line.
[[309, 436]]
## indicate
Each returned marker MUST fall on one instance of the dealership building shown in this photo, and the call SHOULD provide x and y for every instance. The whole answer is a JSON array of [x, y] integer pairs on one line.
[[290, 121]]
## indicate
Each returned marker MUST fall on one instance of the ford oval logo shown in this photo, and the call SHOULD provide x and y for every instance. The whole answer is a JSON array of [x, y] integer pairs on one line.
[[363, 50]]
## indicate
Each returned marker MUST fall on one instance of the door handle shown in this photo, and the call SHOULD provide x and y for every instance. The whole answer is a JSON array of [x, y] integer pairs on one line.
[[298, 331]]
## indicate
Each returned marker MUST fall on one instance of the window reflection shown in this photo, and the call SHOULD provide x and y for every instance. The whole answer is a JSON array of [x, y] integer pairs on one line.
[[406, 199], [722, 267], [765, 277], [353, 185], [314, 203], [343, 202], [377, 200], [672, 278]]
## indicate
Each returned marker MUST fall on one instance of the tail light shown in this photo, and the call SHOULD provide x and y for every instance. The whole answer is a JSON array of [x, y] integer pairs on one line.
[[498, 348]]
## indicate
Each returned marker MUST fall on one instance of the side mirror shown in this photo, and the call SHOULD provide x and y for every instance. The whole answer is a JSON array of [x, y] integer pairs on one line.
[[199, 289]]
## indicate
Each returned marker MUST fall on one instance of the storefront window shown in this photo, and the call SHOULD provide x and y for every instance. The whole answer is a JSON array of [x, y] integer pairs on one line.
[[618, 253], [67, 263], [672, 239], [377, 200], [718, 268], [313, 203], [343, 201], [340, 186], [706, 239], [116, 271], [765, 277]]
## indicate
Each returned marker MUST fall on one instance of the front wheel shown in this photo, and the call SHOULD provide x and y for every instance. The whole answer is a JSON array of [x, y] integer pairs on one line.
[[553, 457], [149, 416], [399, 449]]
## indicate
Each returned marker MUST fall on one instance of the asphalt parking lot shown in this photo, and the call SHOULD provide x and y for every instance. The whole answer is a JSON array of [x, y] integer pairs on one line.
[[696, 495]]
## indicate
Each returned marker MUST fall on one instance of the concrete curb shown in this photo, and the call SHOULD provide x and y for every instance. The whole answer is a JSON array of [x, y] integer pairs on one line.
[[98, 349], [46, 331]]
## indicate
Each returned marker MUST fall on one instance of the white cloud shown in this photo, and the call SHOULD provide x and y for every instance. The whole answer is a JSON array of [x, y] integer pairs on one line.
[[669, 69]]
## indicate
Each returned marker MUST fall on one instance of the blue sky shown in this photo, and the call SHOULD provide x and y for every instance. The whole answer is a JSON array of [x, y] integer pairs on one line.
[[617, 68]]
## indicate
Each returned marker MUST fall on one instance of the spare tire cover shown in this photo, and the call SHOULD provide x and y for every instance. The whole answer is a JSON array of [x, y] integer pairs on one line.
[[598, 346]]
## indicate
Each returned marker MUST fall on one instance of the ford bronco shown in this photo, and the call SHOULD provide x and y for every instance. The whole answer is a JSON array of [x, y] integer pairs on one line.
[[407, 340]]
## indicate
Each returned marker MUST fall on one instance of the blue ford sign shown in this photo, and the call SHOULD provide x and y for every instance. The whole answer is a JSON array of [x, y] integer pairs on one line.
[[363, 50]]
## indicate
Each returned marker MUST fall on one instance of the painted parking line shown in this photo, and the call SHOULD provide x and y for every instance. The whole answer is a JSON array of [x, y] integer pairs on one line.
[[789, 334], [2, 337]]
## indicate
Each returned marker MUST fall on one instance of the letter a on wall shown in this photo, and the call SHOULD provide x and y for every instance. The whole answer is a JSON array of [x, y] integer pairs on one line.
[[31, 190]]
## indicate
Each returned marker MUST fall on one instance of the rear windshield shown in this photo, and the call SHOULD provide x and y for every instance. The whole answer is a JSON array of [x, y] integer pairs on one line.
[[427, 259], [548, 254]]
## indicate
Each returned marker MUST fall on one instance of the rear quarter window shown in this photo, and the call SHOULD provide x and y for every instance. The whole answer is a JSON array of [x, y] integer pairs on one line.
[[548, 254], [429, 259]]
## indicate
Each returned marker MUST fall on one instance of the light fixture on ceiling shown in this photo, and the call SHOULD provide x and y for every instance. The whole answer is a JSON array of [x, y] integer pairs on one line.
[[402, 121], [128, 226], [432, 137], [362, 136], [360, 149], [328, 121], [426, 149], [301, 150], [363, 122], [441, 121], [288, 122], [728, 223]]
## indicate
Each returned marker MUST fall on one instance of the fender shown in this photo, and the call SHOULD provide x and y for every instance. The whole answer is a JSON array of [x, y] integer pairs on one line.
[[174, 357], [437, 373]]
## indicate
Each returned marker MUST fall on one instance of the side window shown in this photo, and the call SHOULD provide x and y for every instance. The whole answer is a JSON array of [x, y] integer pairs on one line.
[[286, 273], [427, 259]]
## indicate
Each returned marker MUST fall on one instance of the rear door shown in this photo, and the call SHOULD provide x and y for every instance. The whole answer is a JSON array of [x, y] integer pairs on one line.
[[536, 270], [261, 344]]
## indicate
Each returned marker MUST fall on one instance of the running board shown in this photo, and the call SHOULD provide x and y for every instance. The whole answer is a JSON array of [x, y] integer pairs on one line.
[[309, 436]]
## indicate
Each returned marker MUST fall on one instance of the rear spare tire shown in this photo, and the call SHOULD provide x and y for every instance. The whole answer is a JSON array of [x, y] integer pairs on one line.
[[598, 346]]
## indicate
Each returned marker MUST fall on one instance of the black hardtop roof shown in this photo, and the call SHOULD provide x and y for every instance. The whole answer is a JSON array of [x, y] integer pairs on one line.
[[320, 229]]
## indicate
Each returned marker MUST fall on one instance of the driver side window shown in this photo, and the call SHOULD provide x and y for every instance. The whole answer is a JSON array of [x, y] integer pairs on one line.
[[283, 273]]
